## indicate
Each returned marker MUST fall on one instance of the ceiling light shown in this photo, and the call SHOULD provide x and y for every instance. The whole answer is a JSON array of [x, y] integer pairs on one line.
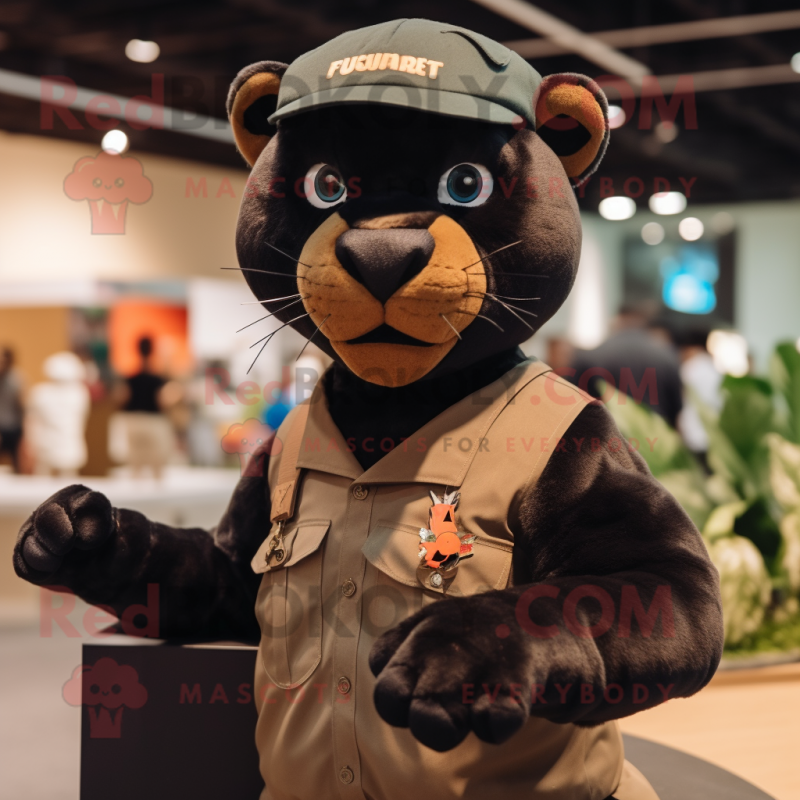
[[115, 142], [667, 203], [653, 233], [666, 132], [617, 208], [616, 117], [795, 62], [690, 229], [142, 51], [729, 351]]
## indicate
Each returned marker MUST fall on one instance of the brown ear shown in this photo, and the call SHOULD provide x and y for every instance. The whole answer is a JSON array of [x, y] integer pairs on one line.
[[252, 99], [572, 118]]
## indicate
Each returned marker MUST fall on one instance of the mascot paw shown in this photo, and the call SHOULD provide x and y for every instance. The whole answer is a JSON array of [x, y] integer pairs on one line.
[[454, 667], [75, 518]]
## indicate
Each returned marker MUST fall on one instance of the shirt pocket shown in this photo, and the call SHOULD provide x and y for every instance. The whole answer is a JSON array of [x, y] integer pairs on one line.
[[289, 603], [393, 547]]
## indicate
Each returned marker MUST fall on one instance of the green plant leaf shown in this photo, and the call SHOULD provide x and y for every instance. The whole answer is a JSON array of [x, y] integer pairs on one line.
[[782, 636], [758, 525], [784, 473], [720, 491], [747, 415], [785, 372], [745, 586], [723, 458], [789, 553], [684, 486], [747, 383], [722, 520], [660, 445]]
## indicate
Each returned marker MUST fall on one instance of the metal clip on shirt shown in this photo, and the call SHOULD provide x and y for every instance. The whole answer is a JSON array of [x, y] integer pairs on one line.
[[276, 547]]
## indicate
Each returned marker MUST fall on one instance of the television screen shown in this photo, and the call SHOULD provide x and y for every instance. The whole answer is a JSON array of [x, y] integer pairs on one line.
[[693, 278]]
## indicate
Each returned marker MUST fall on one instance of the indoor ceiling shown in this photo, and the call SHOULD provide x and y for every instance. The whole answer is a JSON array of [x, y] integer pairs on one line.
[[746, 145]]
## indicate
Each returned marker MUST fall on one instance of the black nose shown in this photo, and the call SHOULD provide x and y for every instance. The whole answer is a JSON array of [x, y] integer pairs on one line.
[[383, 260]]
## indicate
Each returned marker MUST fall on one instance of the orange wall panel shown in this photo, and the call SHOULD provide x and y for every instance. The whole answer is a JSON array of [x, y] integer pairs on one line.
[[165, 324], [34, 334]]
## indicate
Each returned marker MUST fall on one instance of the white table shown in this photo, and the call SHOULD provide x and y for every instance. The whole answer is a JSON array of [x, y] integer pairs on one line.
[[185, 497]]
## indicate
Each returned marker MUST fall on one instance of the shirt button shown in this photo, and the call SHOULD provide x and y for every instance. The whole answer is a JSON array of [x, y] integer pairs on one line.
[[346, 775], [348, 588], [343, 686], [360, 492]]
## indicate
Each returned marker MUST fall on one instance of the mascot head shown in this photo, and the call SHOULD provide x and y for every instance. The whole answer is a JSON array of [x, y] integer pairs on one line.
[[411, 201]]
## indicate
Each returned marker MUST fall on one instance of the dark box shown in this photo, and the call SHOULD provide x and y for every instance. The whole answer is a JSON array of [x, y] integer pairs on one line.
[[163, 720]]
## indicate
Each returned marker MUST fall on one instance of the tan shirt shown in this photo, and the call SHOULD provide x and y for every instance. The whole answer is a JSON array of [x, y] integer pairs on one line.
[[349, 571]]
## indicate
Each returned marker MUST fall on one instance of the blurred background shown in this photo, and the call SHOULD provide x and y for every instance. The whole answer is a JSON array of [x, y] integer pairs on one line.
[[125, 335]]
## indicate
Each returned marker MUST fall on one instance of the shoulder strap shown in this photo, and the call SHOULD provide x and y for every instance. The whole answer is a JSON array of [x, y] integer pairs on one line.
[[539, 416], [285, 492]]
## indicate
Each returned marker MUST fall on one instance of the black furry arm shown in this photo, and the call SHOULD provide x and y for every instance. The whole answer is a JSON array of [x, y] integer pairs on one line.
[[597, 518], [597, 524], [108, 557]]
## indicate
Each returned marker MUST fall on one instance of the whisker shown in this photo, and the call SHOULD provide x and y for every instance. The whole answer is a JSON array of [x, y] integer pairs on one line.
[[262, 271], [489, 319], [257, 355], [521, 310], [319, 327], [528, 325], [260, 319], [451, 325], [504, 247], [269, 300], [268, 338], [475, 292], [516, 275], [272, 333], [511, 311], [284, 253], [508, 305], [481, 316]]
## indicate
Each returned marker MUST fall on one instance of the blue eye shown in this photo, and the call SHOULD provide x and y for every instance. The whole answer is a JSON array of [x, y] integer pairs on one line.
[[465, 185], [326, 187], [329, 185]]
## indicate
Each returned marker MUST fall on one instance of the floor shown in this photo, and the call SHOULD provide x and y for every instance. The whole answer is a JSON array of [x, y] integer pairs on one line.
[[39, 732], [747, 722]]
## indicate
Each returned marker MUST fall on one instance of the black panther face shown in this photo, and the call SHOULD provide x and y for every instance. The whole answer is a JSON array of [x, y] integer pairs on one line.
[[412, 244]]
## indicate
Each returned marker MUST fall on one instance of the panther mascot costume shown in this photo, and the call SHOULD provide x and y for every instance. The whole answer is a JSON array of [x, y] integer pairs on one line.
[[453, 555]]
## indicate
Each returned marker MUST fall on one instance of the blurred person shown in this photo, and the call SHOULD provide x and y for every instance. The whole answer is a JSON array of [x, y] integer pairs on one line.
[[144, 397], [57, 412], [213, 405], [143, 388], [663, 330], [637, 361], [94, 378], [702, 384], [11, 409]]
